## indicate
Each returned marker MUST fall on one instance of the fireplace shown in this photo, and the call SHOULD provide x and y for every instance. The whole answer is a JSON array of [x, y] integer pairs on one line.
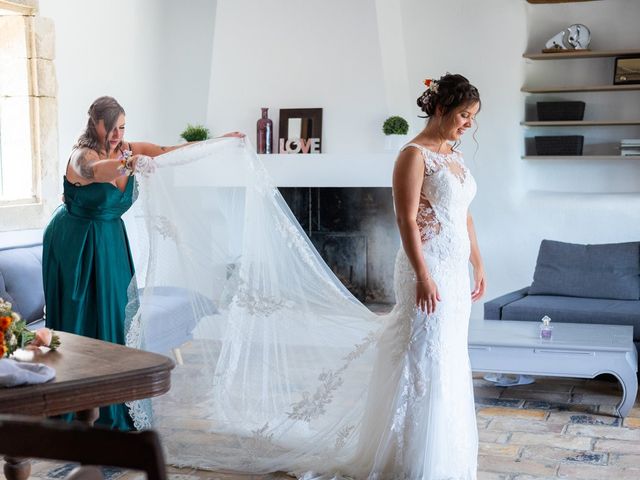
[[354, 230]]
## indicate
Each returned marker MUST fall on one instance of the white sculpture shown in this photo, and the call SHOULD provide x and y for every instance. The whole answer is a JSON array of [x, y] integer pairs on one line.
[[574, 37]]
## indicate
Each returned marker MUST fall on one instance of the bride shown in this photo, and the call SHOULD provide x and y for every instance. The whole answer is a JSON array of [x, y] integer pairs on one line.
[[284, 370]]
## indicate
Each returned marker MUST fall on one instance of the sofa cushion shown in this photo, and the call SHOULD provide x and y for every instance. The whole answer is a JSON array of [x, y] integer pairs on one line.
[[21, 271], [594, 271], [576, 310], [170, 315]]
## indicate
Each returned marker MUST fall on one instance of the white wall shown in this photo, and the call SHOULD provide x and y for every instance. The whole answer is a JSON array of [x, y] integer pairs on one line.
[[292, 54], [153, 56], [336, 55], [277, 58]]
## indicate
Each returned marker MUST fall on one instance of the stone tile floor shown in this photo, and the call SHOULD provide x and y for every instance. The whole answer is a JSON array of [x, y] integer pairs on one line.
[[553, 428]]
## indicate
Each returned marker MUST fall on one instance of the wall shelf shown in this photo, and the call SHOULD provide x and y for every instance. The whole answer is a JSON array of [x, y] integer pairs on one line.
[[580, 157], [593, 88], [580, 123], [581, 54], [539, 2]]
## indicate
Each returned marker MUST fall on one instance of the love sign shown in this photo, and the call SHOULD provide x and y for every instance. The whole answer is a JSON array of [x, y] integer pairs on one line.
[[299, 145]]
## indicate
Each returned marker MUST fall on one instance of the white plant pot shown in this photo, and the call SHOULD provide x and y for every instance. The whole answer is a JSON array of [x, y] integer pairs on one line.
[[393, 143]]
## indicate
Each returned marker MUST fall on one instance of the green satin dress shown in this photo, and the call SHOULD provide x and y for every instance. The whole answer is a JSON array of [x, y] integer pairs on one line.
[[87, 267]]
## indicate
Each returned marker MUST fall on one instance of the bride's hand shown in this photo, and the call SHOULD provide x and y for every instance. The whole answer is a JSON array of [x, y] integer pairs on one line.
[[234, 134], [427, 295], [480, 285]]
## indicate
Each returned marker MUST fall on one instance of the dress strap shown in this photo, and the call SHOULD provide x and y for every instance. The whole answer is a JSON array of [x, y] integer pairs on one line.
[[430, 163]]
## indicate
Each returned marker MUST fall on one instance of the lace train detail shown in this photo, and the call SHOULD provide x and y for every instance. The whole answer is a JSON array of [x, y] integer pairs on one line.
[[284, 370]]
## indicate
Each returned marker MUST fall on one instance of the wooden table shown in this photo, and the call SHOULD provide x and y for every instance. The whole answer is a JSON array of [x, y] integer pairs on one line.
[[89, 374], [575, 350]]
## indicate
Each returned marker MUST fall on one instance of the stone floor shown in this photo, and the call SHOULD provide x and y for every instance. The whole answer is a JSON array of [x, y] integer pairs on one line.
[[553, 428]]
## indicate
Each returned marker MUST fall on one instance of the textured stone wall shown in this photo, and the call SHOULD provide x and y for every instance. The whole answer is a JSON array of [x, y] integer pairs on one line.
[[29, 120]]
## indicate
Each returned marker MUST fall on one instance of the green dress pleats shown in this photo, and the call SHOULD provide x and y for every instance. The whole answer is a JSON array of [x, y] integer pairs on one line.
[[87, 267]]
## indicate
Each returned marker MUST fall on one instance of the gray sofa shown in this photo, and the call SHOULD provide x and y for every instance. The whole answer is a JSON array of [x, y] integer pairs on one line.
[[21, 274], [576, 283], [21, 284]]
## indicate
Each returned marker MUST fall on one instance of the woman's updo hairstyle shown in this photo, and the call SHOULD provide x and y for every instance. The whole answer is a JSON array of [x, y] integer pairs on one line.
[[449, 92]]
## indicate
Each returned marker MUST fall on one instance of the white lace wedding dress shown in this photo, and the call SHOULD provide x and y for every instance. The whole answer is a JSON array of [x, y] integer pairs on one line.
[[285, 370], [424, 409]]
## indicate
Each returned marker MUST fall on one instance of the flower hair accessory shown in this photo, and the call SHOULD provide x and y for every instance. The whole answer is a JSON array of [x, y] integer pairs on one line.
[[432, 85]]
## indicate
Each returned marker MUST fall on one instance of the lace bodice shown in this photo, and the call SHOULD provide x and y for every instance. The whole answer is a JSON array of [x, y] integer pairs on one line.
[[447, 191]]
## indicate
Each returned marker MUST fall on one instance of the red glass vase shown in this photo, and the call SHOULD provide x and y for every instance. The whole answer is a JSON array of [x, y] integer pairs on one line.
[[265, 133]]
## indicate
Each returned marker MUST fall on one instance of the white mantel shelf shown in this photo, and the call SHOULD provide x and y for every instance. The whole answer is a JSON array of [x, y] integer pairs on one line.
[[330, 169]]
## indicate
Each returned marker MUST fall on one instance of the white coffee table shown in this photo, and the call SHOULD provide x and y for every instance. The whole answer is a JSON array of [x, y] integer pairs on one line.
[[575, 350]]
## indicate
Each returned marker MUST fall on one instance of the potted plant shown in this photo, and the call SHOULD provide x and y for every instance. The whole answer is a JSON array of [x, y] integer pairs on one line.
[[395, 128], [195, 133]]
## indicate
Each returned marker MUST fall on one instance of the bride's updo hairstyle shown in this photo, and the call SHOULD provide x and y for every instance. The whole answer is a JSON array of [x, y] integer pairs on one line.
[[449, 92], [108, 109]]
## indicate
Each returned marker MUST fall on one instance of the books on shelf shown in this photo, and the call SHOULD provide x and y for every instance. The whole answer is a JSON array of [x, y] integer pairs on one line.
[[629, 147]]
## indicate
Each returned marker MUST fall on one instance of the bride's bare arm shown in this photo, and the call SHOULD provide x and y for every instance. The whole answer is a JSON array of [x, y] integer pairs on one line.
[[408, 175], [476, 261], [407, 182]]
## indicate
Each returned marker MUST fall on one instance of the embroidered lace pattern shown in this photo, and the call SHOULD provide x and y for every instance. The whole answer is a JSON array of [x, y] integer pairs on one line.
[[312, 406], [292, 374]]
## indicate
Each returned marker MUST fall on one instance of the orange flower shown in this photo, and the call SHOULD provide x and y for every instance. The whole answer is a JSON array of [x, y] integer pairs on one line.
[[3, 351], [5, 322], [427, 82]]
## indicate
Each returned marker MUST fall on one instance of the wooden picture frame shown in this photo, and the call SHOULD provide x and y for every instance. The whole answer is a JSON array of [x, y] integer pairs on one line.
[[626, 71], [300, 130]]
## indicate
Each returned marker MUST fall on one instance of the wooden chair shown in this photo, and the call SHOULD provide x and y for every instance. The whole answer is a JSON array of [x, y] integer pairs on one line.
[[26, 437]]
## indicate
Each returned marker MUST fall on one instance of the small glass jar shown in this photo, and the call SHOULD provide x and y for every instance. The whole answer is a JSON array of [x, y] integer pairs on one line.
[[546, 329]]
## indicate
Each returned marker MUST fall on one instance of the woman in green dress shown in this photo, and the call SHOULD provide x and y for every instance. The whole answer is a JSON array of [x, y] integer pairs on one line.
[[87, 263]]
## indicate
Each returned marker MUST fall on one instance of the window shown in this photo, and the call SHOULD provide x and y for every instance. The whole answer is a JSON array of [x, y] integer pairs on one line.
[[28, 117]]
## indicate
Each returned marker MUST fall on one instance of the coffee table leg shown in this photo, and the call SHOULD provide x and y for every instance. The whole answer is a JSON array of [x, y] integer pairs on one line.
[[629, 382], [88, 416], [17, 468]]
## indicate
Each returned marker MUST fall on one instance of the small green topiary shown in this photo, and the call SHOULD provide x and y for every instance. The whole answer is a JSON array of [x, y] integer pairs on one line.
[[395, 126], [194, 133]]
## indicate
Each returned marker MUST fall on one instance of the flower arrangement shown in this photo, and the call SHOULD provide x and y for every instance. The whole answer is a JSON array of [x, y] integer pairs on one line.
[[14, 333], [194, 133], [395, 126]]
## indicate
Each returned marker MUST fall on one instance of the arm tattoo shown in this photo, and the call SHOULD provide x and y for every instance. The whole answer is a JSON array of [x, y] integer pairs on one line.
[[164, 149], [84, 166]]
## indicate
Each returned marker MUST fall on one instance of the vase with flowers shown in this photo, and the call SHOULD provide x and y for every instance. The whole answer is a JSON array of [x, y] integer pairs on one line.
[[15, 334]]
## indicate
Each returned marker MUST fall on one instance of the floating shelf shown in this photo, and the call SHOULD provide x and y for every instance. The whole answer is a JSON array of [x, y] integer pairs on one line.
[[594, 88], [538, 2], [581, 54], [579, 123], [579, 157]]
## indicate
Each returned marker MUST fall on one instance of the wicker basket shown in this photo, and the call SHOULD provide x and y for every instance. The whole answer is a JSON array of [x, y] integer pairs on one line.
[[558, 111], [559, 145]]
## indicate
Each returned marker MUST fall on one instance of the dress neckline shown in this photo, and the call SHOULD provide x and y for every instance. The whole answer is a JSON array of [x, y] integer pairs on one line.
[[66, 180], [453, 153]]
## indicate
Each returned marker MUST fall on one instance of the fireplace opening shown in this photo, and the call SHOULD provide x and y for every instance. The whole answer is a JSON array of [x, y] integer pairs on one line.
[[354, 230]]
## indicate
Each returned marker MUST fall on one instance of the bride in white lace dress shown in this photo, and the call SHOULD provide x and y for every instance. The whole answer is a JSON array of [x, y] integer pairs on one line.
[[431, 418], [284, 369]]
